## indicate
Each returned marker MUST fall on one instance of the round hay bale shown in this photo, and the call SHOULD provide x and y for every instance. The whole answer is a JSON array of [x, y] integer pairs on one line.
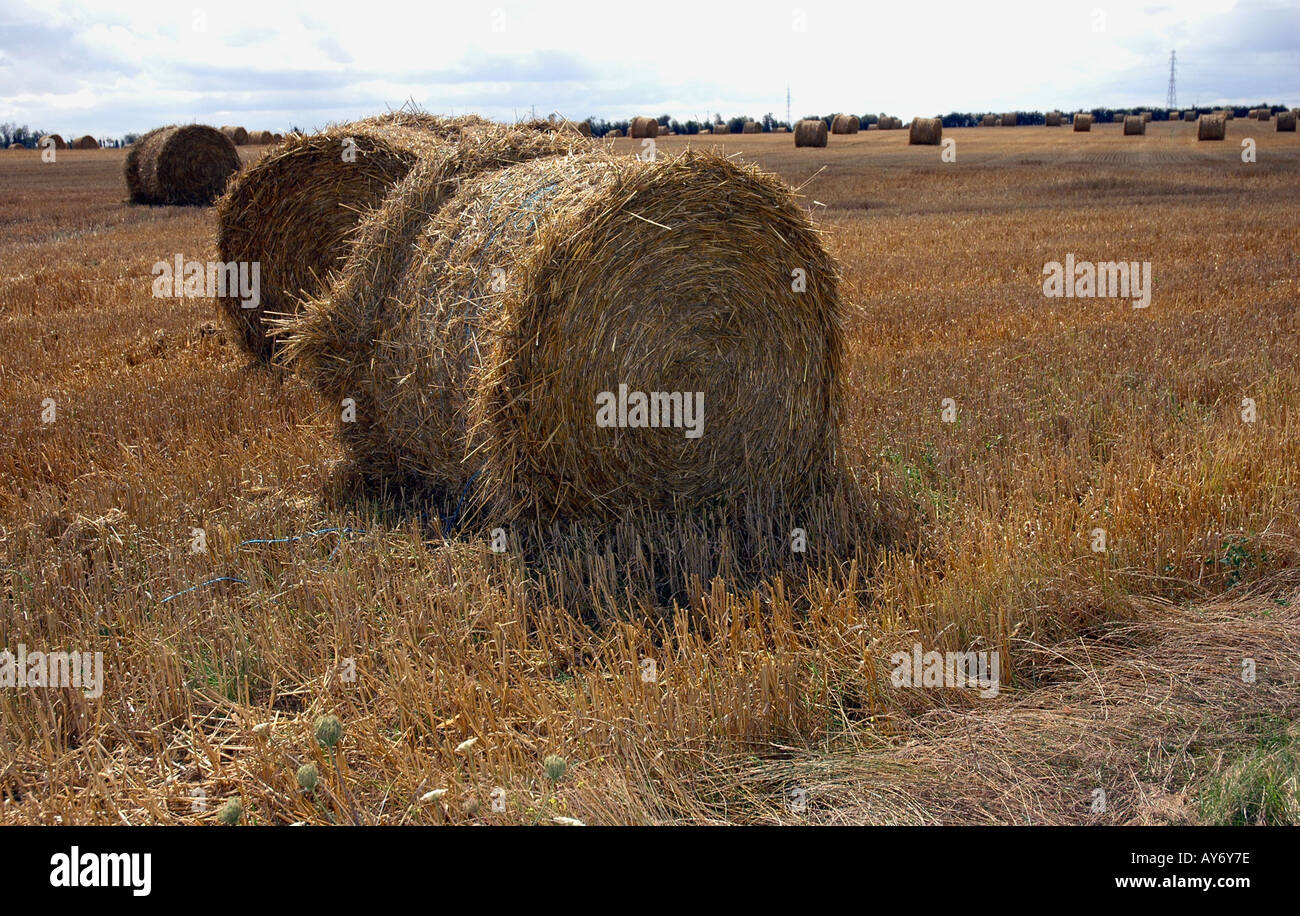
[[1052, 119], [643, 127], [1009, 119], [925, 132], [237, 135], [989, 121], [85, 142], [1211, 127], [721, 129], [500, 327], [16, 146], [293, 211], [1146, 117], [1264, 114], [752, 127], [59, 142], [187, 164], [845, 124], [1228, 114], [664, 130], [1189, 116], [261, 138], [1134, 125], [1082, 123], [582, 127], [810, 132], [615, 133], [780, 130], [1286, 121]]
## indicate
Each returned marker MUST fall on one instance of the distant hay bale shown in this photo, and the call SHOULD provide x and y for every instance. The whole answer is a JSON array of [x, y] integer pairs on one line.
[[1264, 114], [1052, 119], [1146, 117], [237, 135], [845, 124], [56, 139], [16, 146], [582, 127], [482, 343], [1082, 123], [1134, 125], [1286, 121], [615, 133], [989, 121], [664, 130], [293, 211], [1228, 114], [187, 164], [780, 130], [925, 132], [753, 127], [721, 129], [1189, 116], [810, 132], [1211, 127], [261, 138], [85, 142], [1009, 119], [643, 127]]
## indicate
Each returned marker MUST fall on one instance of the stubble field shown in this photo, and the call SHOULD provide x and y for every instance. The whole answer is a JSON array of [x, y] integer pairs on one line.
[[1163, 671]]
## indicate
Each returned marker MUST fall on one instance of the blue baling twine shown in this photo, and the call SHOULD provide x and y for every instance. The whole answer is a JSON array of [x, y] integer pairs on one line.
[[296, 537]]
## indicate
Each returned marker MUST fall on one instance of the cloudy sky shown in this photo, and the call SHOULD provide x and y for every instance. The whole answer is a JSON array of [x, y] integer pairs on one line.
[[108, 68]]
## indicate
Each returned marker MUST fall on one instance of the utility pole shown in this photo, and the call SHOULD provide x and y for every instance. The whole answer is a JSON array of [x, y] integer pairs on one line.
[[1171, 102]]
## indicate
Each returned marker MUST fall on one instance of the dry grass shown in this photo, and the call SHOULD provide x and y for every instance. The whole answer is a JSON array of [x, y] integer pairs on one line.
[[1122, 670]]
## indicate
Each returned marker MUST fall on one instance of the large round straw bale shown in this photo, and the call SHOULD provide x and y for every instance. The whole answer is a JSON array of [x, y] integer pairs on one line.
[[1009, 119], [810, 132], [925, 132], [989, 121], [86, 142], [1052, 119], [752, 127], [664, 130], [1083, 122], [1264, 114], [293, 211], [643, 127], [56, 139], [721, 128], [1189, 115], [237, 135], [1134, 125], [187, 164], [1211, 127], [845, 124], [479, 349], [1286, 121]]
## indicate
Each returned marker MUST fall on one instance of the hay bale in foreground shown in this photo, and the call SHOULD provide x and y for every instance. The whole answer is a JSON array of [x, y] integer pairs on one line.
[[1009, 119], [810, 132], [643, 127], [486, 386], [1211, 127], [1052, 119], [1082, 123], [237, 135], [845, 124], [925, 132], [187, 164], [56, 139], [1286, 121], [1134, 125], [293, 211], [85, 142], [989, 121]]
